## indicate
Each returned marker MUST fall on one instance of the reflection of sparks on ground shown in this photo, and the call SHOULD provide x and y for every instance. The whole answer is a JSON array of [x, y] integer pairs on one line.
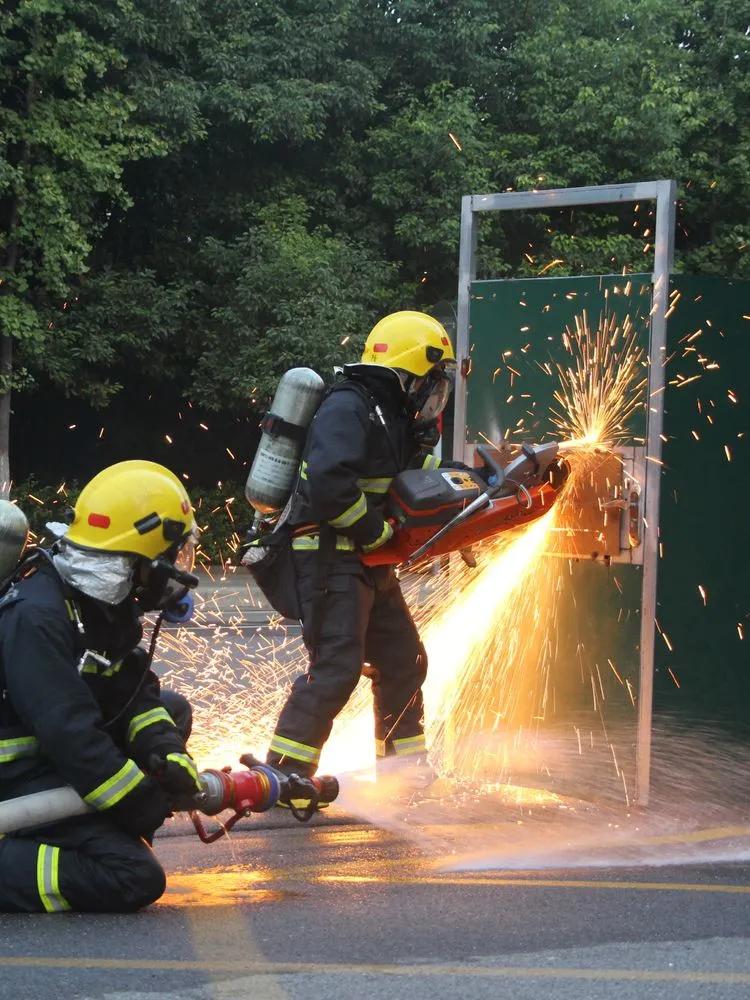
[[491, 635]]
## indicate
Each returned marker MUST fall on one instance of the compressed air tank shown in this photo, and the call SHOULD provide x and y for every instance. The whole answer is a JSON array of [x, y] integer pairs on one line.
[[284, 428], [14, 531]]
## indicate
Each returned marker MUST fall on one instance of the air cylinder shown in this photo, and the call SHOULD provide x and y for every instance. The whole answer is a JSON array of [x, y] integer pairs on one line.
[[284, 428], [14, 531]]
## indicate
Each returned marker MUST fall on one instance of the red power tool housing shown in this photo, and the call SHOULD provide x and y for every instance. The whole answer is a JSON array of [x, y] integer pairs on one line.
[[421, 502]]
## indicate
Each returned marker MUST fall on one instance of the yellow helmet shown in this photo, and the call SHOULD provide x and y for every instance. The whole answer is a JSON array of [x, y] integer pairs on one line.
[[410, 341], [134, 508]]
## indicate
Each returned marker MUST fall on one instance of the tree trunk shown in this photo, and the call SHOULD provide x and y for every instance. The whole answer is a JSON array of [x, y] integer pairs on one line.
[[6, 366], [6, 371]]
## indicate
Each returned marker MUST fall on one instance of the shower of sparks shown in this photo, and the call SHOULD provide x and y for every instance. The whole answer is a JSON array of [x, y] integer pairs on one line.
[[603, 387], [506, 643]]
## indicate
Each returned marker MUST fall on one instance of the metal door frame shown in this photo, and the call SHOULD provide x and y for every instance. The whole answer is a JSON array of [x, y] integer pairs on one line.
[[664, 193]]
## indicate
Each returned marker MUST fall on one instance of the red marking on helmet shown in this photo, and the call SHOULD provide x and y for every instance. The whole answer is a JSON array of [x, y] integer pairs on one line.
[[185, 506], [380, 348], [444, 341], [99, 520]]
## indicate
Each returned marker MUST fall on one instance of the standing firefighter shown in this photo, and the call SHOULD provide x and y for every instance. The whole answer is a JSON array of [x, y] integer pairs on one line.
[[379, 419], [80, 705]]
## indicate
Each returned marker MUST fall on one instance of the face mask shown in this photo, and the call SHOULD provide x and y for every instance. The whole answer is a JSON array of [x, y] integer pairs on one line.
[[429, 395], [164, 583], [104, 576]]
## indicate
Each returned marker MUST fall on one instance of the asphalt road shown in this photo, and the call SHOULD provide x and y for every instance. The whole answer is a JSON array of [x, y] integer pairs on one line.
[[351, 911], [421, 907]]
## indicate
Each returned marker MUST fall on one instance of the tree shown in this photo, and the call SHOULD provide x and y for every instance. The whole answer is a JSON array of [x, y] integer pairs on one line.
[[281, 295], [69, 120], [278, 172]]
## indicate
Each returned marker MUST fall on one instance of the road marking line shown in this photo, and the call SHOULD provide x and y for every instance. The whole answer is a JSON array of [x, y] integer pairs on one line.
[[533, 883], [696, 836], [219, 933], [323, 969]]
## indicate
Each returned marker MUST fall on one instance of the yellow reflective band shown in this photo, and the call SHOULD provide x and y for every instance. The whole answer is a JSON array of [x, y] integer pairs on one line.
[[431, 462], [48, 879], [383, 537], [110, 792], [187, 762], [311, 543], [381, 748], [297, 751], [303, 471], [114, 669], [377, 485], [17, 749], [94, 663], [410, 744], [150, 718], [352, 514]]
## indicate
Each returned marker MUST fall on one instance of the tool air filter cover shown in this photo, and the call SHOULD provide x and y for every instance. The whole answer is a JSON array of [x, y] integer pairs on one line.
[[432, 496]]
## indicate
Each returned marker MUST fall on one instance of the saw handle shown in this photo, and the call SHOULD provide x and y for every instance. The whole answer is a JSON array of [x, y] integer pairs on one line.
[[486, 454]]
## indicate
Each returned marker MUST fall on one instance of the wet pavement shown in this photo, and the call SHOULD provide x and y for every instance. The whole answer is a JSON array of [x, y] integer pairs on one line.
[[461, 904], [348, 911]]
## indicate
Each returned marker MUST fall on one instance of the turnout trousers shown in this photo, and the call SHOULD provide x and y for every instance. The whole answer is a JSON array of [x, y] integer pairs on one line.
[[365, 627], [85, 863]]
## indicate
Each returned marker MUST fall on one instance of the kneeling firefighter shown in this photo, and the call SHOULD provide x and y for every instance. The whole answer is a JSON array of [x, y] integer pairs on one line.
[[80, 705], [379, 419]]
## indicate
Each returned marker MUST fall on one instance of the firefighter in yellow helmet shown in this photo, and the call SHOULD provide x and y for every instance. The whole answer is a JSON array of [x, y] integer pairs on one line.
[[379, 419], [80, 704]]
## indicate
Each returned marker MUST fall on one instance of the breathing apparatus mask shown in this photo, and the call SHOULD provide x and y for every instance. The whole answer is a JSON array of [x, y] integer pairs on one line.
[[427, 397], [162, 584], [165, 583]]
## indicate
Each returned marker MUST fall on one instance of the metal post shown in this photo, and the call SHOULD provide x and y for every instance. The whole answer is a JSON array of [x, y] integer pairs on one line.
[[663, 264], [466, 274]]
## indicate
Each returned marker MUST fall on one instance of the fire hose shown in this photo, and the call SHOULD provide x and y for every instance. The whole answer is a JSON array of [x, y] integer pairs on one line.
[[256, 789]]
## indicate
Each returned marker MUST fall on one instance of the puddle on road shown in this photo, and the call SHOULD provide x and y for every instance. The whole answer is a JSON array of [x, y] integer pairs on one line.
[[699, 813], [222, 887]]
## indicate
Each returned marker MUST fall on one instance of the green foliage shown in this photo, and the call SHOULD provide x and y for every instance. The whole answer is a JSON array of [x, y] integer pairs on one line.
[[42, 503], [282, 295], [204, 192], [71, 117], [224, 518], [223, 515]]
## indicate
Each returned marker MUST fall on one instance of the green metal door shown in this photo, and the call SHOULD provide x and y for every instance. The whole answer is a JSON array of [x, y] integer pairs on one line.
[[587, 613]]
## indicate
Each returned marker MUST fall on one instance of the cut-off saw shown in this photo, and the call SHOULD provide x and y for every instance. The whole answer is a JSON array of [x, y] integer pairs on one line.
[[437, 511]]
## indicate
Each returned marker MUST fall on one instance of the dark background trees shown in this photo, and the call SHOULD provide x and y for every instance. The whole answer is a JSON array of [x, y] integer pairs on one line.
[[196, 194]]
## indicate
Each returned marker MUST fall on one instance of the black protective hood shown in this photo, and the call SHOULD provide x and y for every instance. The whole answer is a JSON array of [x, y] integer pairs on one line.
[[384, 383]]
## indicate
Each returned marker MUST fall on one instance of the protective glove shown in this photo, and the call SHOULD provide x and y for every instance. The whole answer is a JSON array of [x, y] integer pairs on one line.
[[176, 773], [143, 810], [385, 536]]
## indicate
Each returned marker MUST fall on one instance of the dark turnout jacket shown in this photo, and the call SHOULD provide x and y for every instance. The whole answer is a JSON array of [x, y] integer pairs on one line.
[[360, 438], [68, 665]]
